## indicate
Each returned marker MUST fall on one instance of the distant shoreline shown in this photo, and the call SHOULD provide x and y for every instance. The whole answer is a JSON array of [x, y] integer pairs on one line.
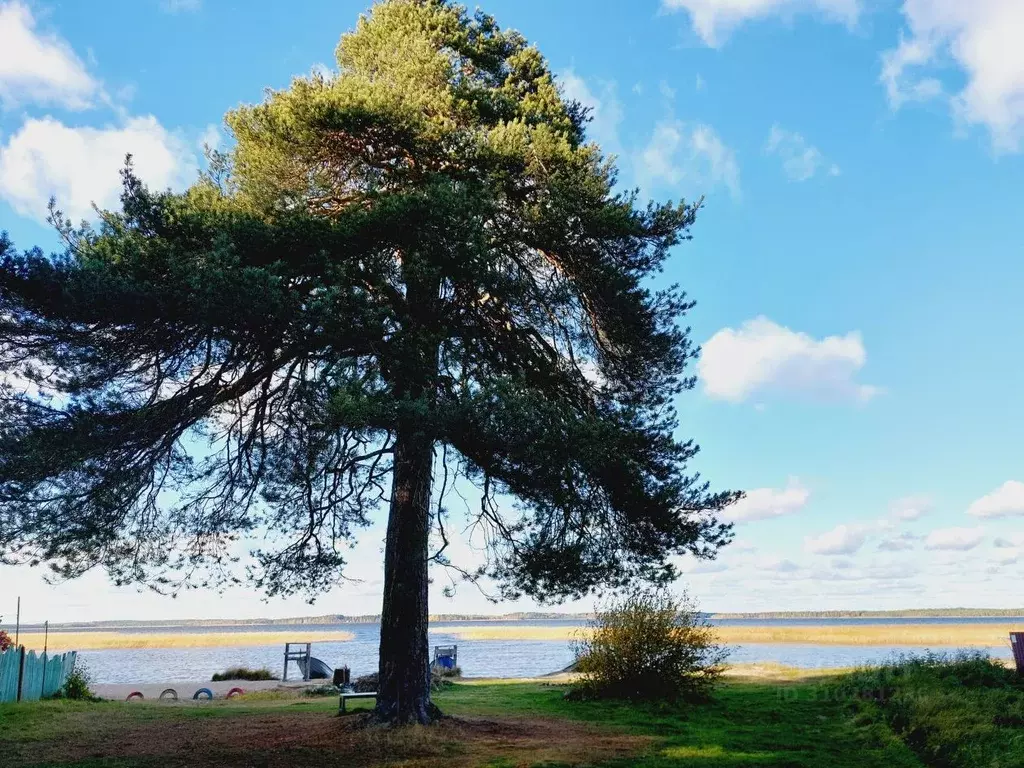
[[519, 618]]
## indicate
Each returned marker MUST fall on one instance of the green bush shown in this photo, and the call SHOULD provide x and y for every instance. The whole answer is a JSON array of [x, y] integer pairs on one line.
[[964, 710], [649, 645], [438, 682], [243, 673], [78, 685]]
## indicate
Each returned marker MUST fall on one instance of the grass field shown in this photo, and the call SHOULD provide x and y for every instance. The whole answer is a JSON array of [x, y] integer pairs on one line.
[[93, 641], [927, 635], [750, 723]]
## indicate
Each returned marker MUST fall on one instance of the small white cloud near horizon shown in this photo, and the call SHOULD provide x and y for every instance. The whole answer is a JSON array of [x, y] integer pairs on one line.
[[1005, 501], [955, 539], [714, 20], [39, 68], [982, 39], [679, 153], [80, 166], [765, 503], [841, 540], [800, 160], [911, 507], [762, 356]]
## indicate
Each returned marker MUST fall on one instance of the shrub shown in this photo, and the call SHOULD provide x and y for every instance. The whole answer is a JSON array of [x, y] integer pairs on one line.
[[445, 672], [321, 690], [649, 645], [5, 641], [369, 683], [366, 683], [243, 673], [78, 685]]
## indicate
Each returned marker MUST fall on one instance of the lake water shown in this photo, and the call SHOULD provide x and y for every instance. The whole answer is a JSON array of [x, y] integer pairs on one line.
[[478, 658]]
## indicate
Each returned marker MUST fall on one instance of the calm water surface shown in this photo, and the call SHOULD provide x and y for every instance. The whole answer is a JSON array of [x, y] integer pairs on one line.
[[478, 658]]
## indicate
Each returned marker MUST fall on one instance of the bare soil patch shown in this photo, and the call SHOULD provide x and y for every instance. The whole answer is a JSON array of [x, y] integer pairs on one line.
[[321, 739]]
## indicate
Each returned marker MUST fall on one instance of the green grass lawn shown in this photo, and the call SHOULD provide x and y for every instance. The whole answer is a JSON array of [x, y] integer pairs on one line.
[[749, 723]]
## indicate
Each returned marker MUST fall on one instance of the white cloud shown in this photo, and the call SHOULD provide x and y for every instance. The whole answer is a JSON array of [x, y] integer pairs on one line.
[[210, 138], [1009, 542], [181, 6], [764, 356], [841, 540], [1005, 501], [80, 166], [679, 153], [39, 68], [605, 110], [776, 565], [911, 507], [800, 160], [958, 539], [713, 20], [899, 543], [982, 38], [764, 503]]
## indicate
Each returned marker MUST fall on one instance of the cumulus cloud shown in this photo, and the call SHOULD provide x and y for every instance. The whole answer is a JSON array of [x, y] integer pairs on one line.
[[713, 20], [694, 154], [776, 565], [800, 160], [982, 38], [911, 507], [841, 540], [957, 539], [1009, 542], [764, 503], [1005, 501], [80, 166], [38, 67], [605, 110], [899, 543], [762, 356]]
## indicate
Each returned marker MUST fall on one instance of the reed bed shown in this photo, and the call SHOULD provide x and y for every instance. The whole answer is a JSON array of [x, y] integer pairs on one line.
[[925, 635], [97, 641]]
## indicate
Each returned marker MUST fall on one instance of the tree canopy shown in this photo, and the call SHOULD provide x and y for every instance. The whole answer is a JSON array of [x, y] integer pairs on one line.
[[421, 252]]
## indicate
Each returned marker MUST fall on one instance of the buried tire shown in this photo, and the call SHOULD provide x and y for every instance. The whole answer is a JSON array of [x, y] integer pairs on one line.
[[203, 692], [134, 695], [235, 692], [168, 694]]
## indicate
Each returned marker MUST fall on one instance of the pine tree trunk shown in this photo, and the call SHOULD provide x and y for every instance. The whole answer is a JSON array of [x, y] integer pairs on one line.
[[403, 687], [403, 691]]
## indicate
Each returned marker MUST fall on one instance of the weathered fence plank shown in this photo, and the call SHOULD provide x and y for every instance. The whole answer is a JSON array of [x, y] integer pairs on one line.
[[42, 676]]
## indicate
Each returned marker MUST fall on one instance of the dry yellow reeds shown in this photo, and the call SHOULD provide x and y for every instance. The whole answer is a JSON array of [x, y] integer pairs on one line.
[[93, 641], [927, 635]]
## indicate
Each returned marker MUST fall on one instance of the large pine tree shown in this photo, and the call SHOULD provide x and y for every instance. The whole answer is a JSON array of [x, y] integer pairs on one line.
[[421, 254]]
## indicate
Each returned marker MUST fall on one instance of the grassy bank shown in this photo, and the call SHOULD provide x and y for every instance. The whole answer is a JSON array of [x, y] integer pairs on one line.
[[961, 713], [94, 641], [750, 723], [927, 635]]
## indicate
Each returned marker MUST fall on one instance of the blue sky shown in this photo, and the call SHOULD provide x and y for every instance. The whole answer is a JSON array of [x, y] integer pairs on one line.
[[858, 264]]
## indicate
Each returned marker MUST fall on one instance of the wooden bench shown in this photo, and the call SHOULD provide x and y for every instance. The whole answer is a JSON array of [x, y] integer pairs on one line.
[[345, 696], [1017, 643]]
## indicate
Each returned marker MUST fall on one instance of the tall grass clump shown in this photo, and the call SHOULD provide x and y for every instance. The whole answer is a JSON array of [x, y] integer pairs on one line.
[[243, 673], [961, 710], [648, 645]]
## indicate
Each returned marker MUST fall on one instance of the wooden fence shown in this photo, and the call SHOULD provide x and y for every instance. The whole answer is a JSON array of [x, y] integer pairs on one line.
[[25, 676]]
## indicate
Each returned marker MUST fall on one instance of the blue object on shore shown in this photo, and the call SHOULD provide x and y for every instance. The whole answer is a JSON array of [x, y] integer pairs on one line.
[[201, 691]]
